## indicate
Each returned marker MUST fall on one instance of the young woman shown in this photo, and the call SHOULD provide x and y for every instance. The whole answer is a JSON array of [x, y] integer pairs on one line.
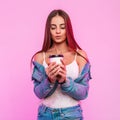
[[60, 86]]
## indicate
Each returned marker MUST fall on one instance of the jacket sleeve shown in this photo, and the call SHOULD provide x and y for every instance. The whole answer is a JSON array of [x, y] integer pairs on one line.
[[78, 88], [42, 86]]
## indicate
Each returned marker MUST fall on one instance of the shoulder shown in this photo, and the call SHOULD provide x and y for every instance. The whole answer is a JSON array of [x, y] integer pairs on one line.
[[38, 57], [82, 54]]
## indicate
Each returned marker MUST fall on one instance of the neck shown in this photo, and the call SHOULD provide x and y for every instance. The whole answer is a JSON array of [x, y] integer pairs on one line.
[[61, 48]]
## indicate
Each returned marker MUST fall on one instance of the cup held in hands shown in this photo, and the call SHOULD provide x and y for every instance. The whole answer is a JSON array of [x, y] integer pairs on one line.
[[56, 58]]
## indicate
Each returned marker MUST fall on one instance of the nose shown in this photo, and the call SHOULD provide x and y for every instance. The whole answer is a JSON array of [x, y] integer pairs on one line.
[[58, 30]]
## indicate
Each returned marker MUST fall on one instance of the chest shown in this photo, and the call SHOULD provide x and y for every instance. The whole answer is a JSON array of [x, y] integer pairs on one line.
[[72, 70]]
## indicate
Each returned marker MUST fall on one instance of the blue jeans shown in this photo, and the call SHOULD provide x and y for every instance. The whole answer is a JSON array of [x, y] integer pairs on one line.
[[69, 113]]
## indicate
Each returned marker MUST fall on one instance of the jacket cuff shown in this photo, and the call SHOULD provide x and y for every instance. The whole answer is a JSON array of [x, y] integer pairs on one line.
[[68, 84]]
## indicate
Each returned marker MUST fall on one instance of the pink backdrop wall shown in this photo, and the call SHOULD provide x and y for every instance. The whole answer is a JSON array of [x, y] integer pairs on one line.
[[96, 24]]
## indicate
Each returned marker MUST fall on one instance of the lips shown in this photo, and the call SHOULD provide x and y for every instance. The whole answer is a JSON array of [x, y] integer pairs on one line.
[[57, 37]]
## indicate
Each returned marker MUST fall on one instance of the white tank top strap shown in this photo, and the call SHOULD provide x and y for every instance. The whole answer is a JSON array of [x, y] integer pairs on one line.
[[75, 56], [44, 62]]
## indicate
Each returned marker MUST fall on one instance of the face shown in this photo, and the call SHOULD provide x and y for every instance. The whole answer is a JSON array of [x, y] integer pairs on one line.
[[58, 29]]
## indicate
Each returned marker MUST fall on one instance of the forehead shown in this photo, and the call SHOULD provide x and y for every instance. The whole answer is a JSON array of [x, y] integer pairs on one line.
[[57, 20]]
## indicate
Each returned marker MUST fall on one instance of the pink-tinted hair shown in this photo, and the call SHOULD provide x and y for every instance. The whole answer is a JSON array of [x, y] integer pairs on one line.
[[47, 44], [70, 37]]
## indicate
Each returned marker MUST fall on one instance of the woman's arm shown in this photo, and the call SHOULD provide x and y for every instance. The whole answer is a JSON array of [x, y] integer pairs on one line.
[[78, 88], [42, 86]]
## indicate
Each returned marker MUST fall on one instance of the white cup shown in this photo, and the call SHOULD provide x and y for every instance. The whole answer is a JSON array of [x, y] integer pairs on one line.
[[56, 58]]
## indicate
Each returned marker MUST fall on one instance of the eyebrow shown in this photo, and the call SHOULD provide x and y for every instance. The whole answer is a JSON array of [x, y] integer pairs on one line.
[[55, 24]]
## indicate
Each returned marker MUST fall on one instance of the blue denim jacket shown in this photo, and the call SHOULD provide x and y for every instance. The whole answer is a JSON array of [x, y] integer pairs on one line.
[[77, 89]]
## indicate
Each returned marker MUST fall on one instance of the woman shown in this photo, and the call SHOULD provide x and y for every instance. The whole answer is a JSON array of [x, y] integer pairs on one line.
[[60, 86]]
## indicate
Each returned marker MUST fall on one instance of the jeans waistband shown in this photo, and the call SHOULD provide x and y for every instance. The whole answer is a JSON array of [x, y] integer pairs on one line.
[[44, 108]]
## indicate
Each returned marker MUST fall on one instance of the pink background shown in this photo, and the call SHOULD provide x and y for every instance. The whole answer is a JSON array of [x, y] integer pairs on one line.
[[96, 25]]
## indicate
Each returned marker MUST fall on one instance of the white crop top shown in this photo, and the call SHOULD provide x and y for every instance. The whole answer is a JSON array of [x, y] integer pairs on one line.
[[59, 99]]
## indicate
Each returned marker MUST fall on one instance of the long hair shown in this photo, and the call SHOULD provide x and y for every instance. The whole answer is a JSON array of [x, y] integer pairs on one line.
[[69, 31], [47, 44]]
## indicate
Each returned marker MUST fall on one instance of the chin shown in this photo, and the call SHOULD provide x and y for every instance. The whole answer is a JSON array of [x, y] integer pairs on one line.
[[59, 41]]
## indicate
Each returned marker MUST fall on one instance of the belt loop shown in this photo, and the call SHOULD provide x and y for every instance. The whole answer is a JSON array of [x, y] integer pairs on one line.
[[43, 108], [60, 110]]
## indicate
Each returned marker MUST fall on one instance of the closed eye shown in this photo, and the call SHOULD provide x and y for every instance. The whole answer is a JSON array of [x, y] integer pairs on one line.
[[62, 26], [53, 28]]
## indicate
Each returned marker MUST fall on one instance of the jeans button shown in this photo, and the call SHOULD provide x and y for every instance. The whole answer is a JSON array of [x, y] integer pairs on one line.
[[62, 114], [54, 110]]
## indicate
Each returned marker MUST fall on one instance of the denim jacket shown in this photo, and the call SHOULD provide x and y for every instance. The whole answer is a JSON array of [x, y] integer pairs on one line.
[[77, 89]]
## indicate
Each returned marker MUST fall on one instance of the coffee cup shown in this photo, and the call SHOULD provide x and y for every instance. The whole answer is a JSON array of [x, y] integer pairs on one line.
[[56, 58]]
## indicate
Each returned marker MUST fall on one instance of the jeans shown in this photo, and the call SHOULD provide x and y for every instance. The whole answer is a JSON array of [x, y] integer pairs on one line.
[[69, 113]]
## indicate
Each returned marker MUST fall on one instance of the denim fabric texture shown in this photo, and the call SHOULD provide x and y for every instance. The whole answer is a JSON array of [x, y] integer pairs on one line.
[[69, 113], [77, 89]]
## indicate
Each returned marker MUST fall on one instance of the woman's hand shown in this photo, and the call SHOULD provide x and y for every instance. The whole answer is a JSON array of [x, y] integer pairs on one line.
[[52, 71], [62, 73]]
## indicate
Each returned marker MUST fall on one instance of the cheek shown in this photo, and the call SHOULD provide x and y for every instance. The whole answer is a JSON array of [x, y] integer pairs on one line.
[[52, 33], [64, 33]]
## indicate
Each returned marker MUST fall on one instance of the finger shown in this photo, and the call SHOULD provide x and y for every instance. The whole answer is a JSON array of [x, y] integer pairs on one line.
[[63, 67], [54, 73], [47, 70], [61, 81], [62, 62], [52, 80], [52, 77], [62, 74], [51, 64], [54, 68], [62, 78]]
